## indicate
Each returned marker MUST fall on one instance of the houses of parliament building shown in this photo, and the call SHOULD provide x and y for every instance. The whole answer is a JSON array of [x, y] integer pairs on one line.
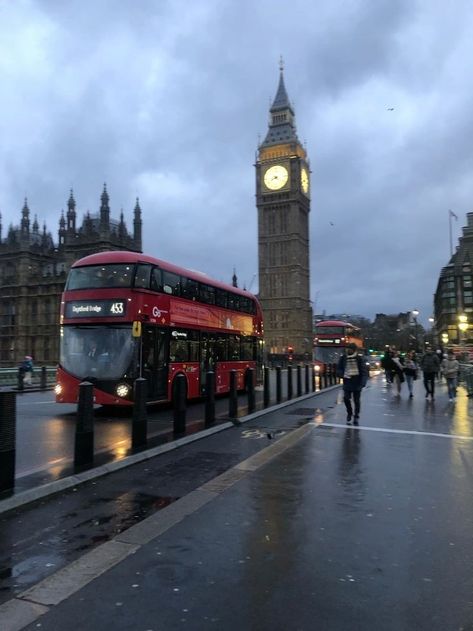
[[33, 270]]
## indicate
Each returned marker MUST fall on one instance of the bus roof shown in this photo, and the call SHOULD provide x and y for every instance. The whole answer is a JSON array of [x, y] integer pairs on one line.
[[124, 256], [334, 323]]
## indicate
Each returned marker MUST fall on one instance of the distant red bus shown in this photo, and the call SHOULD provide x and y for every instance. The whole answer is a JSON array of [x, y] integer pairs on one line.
[[125, 315], [331, 339]]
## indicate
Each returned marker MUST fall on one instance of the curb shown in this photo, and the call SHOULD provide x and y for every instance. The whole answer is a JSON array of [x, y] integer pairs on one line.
[[51, 488]]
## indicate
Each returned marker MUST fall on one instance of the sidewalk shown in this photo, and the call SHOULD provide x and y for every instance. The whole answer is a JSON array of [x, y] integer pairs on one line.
[[330, 527]]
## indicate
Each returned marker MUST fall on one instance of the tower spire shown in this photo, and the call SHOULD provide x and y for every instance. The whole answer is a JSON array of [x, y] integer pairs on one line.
[[104, 209], [137, 225], [71, 213], [282, 124]]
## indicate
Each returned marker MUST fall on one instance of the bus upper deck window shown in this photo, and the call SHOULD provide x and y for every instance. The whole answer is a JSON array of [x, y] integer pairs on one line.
[[142, 277]]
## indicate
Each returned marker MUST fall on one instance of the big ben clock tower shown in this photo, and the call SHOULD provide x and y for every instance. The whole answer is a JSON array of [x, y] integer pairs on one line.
[[283, 202]]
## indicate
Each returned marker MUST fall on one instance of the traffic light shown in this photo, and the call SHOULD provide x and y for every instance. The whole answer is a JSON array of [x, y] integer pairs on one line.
[[290, 349]]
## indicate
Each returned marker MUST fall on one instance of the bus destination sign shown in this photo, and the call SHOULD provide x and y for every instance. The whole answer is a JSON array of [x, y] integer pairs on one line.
[[94, 308]]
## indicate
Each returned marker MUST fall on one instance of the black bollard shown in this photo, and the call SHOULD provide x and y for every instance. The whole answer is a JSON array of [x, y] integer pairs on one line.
[[139, 424], [180, 402], [266, 392], [21, 379], [289, 382], [84, 439], [307, 378], [233, 396], [43, 378], [7, 440], [299, 380], [210, 398], [278, 385], [250, 385]]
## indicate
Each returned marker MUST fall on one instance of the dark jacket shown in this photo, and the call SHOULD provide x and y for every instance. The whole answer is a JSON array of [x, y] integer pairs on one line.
[[358, 381], [430, 363]]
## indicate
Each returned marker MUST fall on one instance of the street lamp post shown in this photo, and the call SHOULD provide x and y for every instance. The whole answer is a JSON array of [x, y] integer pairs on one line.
[[415, 313]]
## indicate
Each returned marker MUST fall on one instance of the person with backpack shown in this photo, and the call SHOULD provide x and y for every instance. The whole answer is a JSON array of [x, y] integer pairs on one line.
[[450, 368], [410, 371], [352, 369]]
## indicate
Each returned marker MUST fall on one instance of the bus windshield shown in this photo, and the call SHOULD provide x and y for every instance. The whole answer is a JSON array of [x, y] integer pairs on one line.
[[327, 355], [103, 352], [99, 276]]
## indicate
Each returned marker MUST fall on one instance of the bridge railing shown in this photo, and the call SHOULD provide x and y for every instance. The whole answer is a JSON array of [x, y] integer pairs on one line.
[[465, 377], [9, 376]]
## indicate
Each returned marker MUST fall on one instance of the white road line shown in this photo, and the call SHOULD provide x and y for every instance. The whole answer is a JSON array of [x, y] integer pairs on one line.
[[395, 431]]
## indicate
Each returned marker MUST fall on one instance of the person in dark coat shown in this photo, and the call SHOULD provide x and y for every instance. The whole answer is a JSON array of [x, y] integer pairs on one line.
[[388, 365], [430, 366], [352, 369]]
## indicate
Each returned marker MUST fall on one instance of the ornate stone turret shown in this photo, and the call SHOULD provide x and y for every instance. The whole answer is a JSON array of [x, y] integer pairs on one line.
[[121, 227], [71, 213], [104, 210], [35, 225], [137, 225], [234, 278], [25, 219], [62, 230]]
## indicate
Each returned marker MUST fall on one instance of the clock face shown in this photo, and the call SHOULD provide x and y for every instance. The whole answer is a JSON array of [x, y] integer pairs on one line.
[[276, 177], [304, 180]]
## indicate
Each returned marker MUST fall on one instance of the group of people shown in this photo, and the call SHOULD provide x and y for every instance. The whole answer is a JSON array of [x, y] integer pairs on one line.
[[399, 369], [352, 368]]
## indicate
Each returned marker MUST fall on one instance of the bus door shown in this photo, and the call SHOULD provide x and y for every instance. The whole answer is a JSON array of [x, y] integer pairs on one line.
[[207, 358], [155, 352]]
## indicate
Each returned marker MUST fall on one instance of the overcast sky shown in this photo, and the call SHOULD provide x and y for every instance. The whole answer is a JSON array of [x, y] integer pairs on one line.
[[165, 99]]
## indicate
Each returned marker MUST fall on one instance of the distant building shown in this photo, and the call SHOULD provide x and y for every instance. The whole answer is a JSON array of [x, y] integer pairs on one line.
[[33, 271], [283, 202], [454, 294]]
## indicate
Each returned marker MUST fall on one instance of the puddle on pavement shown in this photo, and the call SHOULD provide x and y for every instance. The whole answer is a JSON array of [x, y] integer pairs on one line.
[[66, 541]]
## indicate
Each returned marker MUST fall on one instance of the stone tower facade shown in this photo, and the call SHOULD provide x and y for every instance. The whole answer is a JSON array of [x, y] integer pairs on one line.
[[33, 271], [283, 203]]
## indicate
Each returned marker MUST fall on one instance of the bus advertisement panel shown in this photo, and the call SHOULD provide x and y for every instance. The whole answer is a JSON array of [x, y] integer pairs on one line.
[[125, 315]]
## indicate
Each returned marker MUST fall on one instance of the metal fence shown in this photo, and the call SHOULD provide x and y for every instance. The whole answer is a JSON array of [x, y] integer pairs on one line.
[[465, 378], [9, 377]]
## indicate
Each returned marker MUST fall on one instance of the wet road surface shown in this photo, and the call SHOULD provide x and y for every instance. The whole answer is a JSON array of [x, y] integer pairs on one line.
[[46, 430], [40, 538], [354, 528]]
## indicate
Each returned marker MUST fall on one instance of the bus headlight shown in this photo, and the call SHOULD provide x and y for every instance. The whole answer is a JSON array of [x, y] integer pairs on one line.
[[58, 389], [317, 368], [123, 389]]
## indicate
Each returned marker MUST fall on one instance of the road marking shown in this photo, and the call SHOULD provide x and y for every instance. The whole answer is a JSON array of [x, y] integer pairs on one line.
[[395, 431]]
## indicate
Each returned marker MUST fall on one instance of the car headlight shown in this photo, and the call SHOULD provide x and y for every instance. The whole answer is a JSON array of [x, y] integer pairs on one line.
[[58, 389], [317, 369], [123, 389]]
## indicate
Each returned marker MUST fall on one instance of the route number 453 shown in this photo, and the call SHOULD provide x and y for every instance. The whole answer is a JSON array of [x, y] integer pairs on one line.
[[117, 308]]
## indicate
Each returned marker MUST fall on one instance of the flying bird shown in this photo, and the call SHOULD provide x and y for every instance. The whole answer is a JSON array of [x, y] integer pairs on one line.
[[390, 109], [331, 223]]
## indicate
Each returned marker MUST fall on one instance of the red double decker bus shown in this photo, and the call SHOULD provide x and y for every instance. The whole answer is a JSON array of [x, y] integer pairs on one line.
[[331, 339], [126, 315]]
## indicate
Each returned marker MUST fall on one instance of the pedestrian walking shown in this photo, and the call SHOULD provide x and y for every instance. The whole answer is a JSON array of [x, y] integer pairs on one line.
[[27, 370], [387, 365], [410, 371], [352, 368], [450, 368], [440, 356], [430, 366], [398, 371]]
